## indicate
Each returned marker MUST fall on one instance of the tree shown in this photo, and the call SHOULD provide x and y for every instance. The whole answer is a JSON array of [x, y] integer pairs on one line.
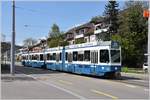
[[29, 42], [54, 32], [97, 19], [56, 38], [132, 35], [111, 14]]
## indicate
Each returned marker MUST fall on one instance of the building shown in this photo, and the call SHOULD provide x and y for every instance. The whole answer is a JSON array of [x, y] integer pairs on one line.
[[92, 31], [88, 32]]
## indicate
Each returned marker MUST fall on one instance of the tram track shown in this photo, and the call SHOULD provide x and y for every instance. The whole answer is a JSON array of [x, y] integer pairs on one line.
[[124, 79]]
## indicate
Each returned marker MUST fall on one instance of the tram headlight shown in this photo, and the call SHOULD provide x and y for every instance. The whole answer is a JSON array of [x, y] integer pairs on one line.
[[115, 68]]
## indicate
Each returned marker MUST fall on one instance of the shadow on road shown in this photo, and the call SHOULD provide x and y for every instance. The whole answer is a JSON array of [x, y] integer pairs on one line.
[[107, 78], [16, 78], [5, 69]]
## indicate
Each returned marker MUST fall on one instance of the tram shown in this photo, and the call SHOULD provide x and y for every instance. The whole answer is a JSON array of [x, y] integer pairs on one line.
[[94, 58]]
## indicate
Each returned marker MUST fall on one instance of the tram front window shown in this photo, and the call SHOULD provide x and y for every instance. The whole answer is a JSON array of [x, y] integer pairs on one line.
[[115, 56], [104, 56]]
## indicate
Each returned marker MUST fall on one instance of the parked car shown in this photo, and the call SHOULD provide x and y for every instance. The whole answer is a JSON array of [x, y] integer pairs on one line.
[[145, 67]]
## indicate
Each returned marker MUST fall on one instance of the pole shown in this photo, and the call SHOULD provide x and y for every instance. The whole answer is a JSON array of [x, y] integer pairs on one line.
[[12, 69]]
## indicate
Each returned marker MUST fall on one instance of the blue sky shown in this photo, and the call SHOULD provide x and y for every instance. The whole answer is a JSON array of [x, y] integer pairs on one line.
[[40, 15]]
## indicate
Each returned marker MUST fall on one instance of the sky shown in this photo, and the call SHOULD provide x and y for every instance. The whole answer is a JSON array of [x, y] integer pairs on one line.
[[35, 18]]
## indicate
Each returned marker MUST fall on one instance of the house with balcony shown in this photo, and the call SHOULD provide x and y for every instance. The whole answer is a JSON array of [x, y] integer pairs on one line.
[[101, 31], [88, 32], [69, 36], [83, 33]]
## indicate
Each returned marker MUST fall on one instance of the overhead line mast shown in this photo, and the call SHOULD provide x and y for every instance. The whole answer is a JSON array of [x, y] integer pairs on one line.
[[12, 67]]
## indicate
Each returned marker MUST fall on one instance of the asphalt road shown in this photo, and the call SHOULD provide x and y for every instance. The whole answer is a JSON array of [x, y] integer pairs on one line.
[[35, 83]]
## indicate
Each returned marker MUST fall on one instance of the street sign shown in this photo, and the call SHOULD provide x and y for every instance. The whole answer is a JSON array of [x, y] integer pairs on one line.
[[146, 13]]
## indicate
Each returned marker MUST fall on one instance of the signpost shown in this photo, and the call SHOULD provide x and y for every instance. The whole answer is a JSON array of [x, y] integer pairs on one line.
[[149, 37], [146, 14]]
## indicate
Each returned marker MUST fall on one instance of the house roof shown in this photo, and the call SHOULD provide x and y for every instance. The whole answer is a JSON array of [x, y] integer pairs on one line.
[[86, 25]]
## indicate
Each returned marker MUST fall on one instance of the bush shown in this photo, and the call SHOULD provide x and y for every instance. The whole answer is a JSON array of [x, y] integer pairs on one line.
[[125, 69], [79, 41]]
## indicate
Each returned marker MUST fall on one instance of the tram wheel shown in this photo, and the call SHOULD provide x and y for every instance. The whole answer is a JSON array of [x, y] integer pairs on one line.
[[117, 75]]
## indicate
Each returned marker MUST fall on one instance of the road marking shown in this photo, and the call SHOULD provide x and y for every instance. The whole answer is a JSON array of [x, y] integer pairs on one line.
[[84, 77], [42, 78], [131, 86], [60, 88], [65, 82], [105, 94]]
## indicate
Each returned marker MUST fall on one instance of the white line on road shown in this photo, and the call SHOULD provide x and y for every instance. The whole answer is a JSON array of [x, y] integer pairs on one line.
[[131, 86], [60, 88], [65, 82], [105, 94]]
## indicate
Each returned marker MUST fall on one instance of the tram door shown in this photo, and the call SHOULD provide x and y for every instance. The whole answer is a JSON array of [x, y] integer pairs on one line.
[[94, 60]]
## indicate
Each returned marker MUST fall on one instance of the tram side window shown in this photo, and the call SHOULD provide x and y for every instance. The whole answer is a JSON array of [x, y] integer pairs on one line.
[[30, 57], [36, 57], [69, 57], [104, 56], [23, 58], [87, 55], [26, 57], [75, 54], [44, 57], [48, 56], [60, 56], [41, 56], [54, 56], [51, 57], [66, 56], [57, 57], [33, 58], [80, 56]]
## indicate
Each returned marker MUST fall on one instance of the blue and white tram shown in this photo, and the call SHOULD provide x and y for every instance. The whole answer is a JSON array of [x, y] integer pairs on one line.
[[95, 58]]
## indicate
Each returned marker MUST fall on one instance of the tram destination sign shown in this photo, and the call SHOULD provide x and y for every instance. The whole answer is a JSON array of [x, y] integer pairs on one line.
[[115, 44]]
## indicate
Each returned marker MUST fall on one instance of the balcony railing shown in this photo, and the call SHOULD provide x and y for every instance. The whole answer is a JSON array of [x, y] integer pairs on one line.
[[79, 36], [100, 30]]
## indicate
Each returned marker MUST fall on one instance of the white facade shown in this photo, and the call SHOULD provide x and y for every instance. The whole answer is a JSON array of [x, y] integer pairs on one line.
[[99, 28]]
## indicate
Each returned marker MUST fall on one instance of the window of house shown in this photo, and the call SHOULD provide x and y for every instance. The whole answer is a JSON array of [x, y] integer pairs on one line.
[[104, 56], [98, 27], [81, 31], [87, 55]]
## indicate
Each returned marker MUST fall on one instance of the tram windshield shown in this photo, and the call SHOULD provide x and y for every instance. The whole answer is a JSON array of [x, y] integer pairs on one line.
[[115, 56]]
